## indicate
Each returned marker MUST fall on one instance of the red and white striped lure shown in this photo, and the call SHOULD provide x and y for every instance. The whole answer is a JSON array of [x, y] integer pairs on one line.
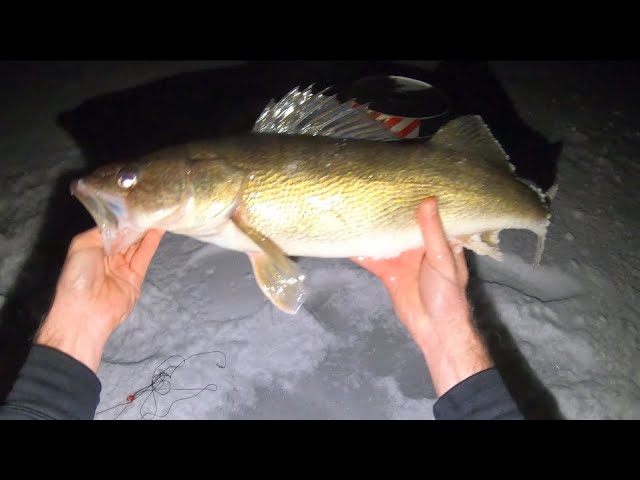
[[403, 127]]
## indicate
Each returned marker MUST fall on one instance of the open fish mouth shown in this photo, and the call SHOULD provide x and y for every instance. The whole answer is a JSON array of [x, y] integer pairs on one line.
[[108, 211]]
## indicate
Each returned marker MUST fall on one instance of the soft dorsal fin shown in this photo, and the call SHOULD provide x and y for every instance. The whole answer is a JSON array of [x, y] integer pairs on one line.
[[471, 136], [307, 113]]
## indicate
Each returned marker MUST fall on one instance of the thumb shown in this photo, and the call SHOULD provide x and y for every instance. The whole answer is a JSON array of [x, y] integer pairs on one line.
[[436, 244], [81, 270]]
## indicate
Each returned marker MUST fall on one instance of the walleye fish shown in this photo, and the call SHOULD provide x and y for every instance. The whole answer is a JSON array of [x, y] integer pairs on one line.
[[316, 177]]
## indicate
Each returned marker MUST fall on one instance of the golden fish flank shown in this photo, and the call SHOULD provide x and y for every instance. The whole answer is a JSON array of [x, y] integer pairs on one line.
[[328, 183]]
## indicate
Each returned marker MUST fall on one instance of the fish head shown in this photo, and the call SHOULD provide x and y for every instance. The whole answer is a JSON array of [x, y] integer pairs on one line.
[[128, 199]]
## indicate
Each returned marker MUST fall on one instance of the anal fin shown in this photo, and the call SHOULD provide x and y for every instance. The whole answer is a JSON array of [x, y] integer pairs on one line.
[[484, 243]]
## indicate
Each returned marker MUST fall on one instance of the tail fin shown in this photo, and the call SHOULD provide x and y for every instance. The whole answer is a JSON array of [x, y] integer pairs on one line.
[[470, 135], [541, 233], [539, 249]]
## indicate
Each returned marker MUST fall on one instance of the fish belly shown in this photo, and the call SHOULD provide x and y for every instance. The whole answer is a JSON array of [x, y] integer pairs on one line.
[[374, 244]]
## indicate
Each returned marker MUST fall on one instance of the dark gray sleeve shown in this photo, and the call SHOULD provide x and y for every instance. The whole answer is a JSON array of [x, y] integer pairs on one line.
[[482, 396], [52, 386]]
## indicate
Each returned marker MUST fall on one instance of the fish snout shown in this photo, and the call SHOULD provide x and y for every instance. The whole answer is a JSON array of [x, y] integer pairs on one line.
[[78, 187], [75, 186]]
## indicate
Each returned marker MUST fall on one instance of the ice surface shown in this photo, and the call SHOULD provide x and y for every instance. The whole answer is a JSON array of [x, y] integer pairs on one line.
[[574, 321]]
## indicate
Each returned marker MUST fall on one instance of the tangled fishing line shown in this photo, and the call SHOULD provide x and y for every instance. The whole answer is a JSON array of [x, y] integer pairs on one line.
[[161, 385]]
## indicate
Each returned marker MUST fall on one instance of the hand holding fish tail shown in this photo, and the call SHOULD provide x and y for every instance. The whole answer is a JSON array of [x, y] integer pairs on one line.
[[428, 290], [95, 293]]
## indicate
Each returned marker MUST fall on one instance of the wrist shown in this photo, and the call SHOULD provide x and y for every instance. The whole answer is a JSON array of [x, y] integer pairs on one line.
[[67, 332], [454, 351]]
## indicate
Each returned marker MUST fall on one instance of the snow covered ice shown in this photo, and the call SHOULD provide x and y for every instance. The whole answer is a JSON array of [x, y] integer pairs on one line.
[[570, 327]]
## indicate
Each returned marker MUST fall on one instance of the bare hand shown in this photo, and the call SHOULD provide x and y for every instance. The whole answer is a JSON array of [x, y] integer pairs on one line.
[[427, 284], [95, 294], [428, 290]]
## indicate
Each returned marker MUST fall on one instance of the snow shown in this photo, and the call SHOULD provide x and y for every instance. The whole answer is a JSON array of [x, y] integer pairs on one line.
[[569, 327]]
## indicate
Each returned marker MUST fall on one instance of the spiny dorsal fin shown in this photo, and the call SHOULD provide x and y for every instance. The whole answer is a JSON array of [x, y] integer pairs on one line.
[[471, 136], [306, 113]]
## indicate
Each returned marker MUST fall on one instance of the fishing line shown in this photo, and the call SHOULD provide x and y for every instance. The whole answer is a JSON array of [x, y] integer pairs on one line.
[[161, 385]]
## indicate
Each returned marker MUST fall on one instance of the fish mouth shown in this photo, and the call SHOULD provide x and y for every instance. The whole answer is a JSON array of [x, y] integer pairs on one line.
[[104, 208], [108, 211]]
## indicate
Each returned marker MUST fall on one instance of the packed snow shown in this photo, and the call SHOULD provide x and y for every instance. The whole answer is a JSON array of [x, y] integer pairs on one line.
[[566, 335]]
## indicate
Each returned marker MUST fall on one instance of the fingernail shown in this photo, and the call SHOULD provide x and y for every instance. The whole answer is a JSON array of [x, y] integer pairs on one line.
[[432, 206]]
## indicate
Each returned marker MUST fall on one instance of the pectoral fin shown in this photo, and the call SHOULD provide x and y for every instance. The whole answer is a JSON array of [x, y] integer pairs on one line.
[[279, 278], [281, 282]]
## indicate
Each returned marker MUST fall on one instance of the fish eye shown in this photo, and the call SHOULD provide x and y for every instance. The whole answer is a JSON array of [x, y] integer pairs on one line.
[[127, 178]]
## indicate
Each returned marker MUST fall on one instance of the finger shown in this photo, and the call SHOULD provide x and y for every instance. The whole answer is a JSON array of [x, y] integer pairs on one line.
[[402, 269], [437, 249], [388, 268], [144, 253], [371, 264], [462, 271], [131, 251], [88, 239]]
